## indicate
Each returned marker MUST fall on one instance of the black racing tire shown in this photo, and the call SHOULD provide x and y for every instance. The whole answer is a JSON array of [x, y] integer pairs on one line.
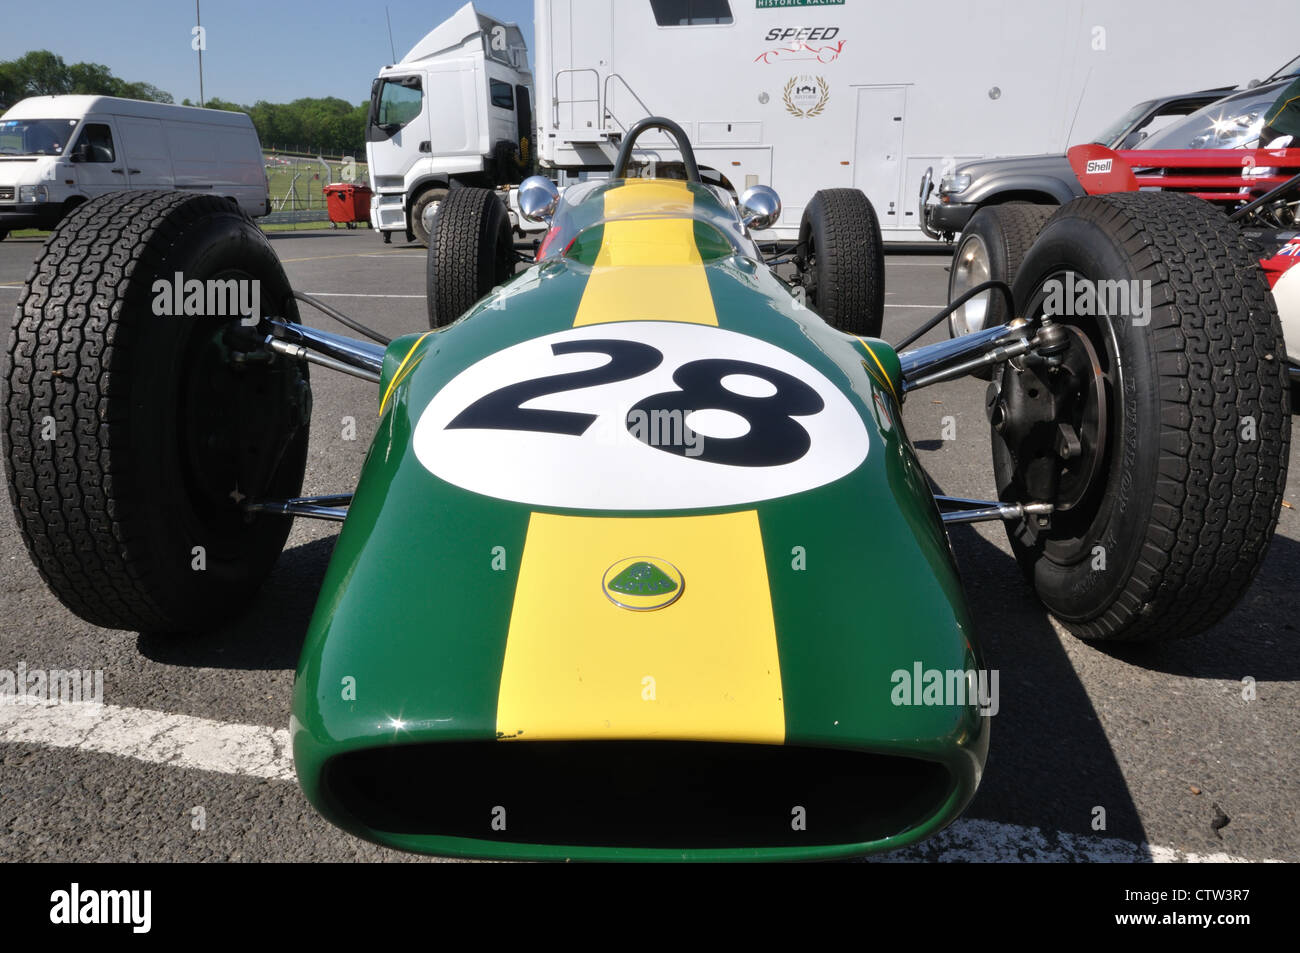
[[471, 251], [842, 259], [4, 233], [429, 197], [991, 248], [1176, 520], [130, 436]]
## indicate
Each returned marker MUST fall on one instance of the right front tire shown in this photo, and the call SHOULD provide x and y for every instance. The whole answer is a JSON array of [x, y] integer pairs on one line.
[[1168, 475]]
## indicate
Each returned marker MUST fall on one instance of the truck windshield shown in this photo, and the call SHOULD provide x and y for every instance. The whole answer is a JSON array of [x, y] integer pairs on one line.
[[35, 137], [399, 101]]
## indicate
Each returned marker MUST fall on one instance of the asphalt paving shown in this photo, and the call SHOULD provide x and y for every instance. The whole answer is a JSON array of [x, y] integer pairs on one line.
[[1159, 738]]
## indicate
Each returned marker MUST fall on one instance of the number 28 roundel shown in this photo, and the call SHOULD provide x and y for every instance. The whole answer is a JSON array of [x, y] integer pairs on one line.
[[640, 415]]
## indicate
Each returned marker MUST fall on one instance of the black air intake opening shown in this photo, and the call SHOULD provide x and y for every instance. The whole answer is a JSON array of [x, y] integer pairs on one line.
[[636, 793]]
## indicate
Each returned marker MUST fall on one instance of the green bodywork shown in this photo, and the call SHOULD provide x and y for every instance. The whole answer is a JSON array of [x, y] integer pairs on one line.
[[408, 639]]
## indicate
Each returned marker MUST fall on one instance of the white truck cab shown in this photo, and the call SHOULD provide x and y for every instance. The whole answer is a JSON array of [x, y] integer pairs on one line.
[[57, 152], [457, 110]]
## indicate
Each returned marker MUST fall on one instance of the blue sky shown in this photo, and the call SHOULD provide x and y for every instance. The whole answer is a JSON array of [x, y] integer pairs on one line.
[[277, 50]]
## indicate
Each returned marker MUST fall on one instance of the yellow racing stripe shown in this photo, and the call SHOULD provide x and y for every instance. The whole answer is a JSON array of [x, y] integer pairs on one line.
[[400, 372], [648, 268], [884, 375], [577, 666]]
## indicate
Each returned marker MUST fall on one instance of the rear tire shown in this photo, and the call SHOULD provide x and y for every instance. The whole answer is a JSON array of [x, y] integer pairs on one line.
[[4, 233], [471, 251], [1170, 530], [127, 432], [843, 261]]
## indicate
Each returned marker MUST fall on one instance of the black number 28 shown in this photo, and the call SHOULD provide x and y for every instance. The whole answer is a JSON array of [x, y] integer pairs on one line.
[[773, 437]]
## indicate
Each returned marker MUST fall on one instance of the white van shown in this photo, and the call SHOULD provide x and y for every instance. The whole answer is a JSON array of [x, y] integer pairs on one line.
[[59, 151]]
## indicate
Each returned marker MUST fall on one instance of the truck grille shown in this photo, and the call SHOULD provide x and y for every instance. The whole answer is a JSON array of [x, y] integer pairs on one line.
[[6, 193]]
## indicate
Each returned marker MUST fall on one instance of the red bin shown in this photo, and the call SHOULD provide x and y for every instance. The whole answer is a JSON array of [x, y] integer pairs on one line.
[[348, 203]]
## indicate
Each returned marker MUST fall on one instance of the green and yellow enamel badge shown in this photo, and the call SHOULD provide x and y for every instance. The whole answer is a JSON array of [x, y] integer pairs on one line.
[[642, 583]]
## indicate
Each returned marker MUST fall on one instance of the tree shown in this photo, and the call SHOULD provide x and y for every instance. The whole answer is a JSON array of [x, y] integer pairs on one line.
[[90, 78], [42, 73], [329, 125]]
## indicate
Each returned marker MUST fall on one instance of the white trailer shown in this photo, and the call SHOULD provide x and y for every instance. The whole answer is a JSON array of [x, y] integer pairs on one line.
[[456, 110], [811, 94]]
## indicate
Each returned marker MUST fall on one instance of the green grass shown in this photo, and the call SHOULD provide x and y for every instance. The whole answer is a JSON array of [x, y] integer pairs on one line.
[[310, 194], [310, 189]]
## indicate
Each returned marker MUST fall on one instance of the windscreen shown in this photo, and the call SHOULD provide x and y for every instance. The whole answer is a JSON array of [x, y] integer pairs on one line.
[[1112, 133], [35, 137]]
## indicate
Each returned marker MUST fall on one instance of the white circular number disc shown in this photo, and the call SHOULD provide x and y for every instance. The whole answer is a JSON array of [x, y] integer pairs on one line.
[[607, 467]]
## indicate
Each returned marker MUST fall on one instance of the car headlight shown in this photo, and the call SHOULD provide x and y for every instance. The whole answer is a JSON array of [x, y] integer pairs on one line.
[[32, 193], [953, 183]]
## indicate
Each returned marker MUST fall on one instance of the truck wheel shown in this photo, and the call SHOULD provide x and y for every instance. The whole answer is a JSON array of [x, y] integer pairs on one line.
[[991, 248], [130, 433], [843, 261], [1162, 434], [470, 252], [422, 213]]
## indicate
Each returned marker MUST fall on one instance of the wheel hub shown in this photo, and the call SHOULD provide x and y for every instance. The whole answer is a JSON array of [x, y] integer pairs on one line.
[[970, 268], [1052, 413]]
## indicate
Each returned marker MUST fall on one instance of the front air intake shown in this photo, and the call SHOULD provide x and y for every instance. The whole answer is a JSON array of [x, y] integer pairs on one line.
[[646, 794]]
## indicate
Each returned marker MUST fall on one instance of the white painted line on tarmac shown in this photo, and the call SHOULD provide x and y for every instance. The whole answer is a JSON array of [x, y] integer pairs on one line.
[[183, 741]]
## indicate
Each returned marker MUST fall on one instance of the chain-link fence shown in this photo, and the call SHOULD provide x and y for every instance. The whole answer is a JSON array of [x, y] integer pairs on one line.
[[298, 182]]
